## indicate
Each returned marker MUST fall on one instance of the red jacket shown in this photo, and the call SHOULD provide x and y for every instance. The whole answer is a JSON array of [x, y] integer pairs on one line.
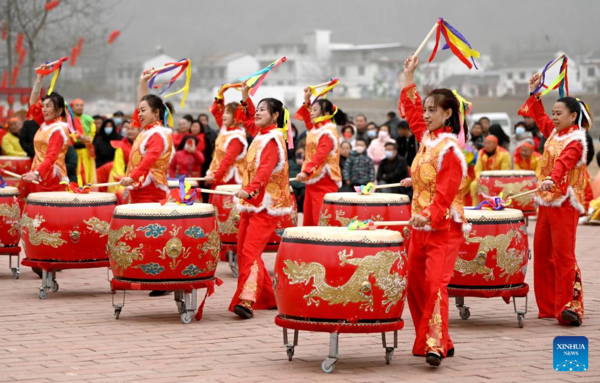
[[186, 163]]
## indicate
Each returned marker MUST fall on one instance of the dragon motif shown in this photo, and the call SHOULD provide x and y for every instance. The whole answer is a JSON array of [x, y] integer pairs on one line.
[[358, 289], [121, 253], [96, 225], [11, 215], [213, 245], [230, 226], [324, 218], [42, 236]]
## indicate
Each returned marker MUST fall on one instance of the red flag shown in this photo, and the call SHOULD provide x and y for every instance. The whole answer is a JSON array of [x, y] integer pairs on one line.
[[19, 44], [4, 79], [4, 30], [113, 36], [50, 5], [15, 75]]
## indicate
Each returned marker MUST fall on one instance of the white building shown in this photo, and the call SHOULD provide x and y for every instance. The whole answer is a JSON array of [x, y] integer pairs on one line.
[[590, 72]]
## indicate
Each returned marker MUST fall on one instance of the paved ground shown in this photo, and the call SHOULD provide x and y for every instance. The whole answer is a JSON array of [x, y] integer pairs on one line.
[[73, 336]]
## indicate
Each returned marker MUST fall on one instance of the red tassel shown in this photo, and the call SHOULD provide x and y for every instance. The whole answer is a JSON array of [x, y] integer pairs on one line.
[[15, 75], [50, 5], [22, 56], [19, 44], [4, 79], [113, 36]]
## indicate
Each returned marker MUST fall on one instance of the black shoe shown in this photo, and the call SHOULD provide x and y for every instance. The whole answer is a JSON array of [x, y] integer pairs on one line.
[[242, 312], [38, 271], [158, 293], [450, 353], [572, 317], [433, 359]]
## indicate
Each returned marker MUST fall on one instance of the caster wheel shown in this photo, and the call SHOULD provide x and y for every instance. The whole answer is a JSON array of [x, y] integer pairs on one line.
[[327, 369], [54, 287], [181, 307], [117, 313], [15, 273], [465, 313], [290, 353], [43, 294], [186, 318], [233, 264], [521, 320], [389, 354]]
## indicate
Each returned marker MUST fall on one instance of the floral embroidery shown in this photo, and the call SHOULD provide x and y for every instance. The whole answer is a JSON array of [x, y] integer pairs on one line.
[[152, 268], [434, 335], [251, 284], [192, 270], [153, 230], [195, 232]]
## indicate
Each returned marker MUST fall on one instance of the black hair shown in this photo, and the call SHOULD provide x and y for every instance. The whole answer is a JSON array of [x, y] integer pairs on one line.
[[189, 118], [391, 144], [348, 126], [483, 118], [372, 123], [274, 106], [403, 124], [386, 125], [118, 113], [391, 114], [361, 115], [327, 109], [59, 103], [521, 123], [113, 134], [445, 99], [575, 106], [184, 140], [199, 123], [156, 104], [345, 142], [97, 117], [202, 115], [497, 131], [361, 140]]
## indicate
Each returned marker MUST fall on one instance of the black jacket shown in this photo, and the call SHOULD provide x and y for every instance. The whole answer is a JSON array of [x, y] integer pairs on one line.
[[407, 148], [392, 171], [26, 135], [71, 163]]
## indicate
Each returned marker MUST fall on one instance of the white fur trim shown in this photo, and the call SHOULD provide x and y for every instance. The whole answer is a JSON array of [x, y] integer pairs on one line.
[[320, 132], [266, 204], [456, 217], [244, 144], [459, 154], [264, 140], [57, 127], [557, 203], [430, 142], [160, 130]]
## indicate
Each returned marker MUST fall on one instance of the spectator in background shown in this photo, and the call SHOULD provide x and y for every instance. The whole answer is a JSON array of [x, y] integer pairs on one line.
[[520, 136], [476, 136], [376, 150], [359, 169], [183, 129], [10, 141], [531, 127], [407, 143], [28, 131], [105, 153], [295, 167], [393, 169], [491, 157], [71, 163], [118, 118], [187, 159], [196, 131], [485, 126], [503, 140], [526, 158], [361, 127], [98, 119], [345, 149], [348, 135], [372, 129], [393, 122]]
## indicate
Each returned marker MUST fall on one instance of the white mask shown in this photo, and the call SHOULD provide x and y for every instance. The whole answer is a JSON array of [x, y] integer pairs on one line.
[[108, 130], [360, 149]]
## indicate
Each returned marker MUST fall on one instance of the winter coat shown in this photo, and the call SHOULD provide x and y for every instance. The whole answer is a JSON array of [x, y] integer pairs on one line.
[[359, 169]]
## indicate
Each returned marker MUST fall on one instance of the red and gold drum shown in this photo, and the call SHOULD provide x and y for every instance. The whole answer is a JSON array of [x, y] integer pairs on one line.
[[19, 165], [340, 209], [493, 259], [334, 279], [10, 216], [63, 227], [151, 244], [228, 219], [509, 182]]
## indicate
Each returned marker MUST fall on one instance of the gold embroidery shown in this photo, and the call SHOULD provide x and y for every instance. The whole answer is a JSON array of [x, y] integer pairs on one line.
[[11, 215], [230, 226], [324, 218], [510, 189], [121, 253], [434, 335], [42, 236], [96, 225], [250, 285], [213, 245], [174, 248]]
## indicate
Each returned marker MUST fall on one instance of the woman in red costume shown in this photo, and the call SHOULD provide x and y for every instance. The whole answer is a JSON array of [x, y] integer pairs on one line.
[[227, 164], [146, 174], [50, 142], [557, 278], [321, 168], [437, 212], [263, 197]]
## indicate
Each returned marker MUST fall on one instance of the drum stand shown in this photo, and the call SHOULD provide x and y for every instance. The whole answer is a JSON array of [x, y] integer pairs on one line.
[[48, 283], [186, 304], [13, 252], [465, 313], [328, 365], [233, 263]]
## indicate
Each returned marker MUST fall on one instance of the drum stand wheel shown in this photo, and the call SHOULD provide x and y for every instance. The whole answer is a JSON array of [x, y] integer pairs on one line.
[[463, 310], [328, 364], [290, 346], [48, 283], [389, 351], [233, 263], [520, 313], [186, 305], [15, 270], [118, 307]]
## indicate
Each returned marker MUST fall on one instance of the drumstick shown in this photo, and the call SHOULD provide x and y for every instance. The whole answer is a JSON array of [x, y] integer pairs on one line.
[[220, 192], [321, 85], [523, 194], [49, 64], [555, 61], [293, 179], [18, 176], [105, 184], [195, 178], [390, 223], [431, 32]]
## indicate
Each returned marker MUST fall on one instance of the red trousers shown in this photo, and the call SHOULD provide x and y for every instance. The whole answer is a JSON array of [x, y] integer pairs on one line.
[[431, 259], [556, 276], [254, 282], [147, 194], [313, 199]]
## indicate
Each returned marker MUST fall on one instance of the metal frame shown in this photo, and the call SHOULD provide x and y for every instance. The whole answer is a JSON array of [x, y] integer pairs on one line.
[[186, 302]]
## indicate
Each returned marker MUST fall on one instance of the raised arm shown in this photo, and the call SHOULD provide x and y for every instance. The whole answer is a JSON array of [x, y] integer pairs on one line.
[[36, 90], [303, 114], [246, 111], [143, 87], [534, 108], [410, 105], [217, 109]]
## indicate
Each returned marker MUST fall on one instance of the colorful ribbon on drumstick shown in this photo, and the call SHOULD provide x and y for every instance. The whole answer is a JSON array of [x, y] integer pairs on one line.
[[327, 87], [184, 65], [256, 79], [561, 82], [183, 195], [55, 67], [493, 203], [79, 187], [224, 88]]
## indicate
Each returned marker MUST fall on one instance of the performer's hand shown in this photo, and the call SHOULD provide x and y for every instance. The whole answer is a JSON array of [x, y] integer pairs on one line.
[[86, 139], [348, 182], [418, 220], [127, 181], [534, 82], [307, 94], [546, 185], [301, 177], [146, 75], [209, 179], [29, 177], [410, 65], [245, 91], [407, 182], [241, 194], [40, 77]]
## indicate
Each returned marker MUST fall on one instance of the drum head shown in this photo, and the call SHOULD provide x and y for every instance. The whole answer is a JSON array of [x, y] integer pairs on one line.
[[68, 198], [473, 215], [9, 190], [508, 173], [370, 199], [166, 211], [342, 235]]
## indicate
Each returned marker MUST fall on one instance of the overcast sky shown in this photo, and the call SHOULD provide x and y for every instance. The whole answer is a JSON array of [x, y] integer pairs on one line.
[[187, 28]]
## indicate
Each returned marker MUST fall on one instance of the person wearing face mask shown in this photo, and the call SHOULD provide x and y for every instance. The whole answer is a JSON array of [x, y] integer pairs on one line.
[[264, 197], [348, 135], [376, 150], [557, 278], [321, 168], [526, 158], [105, 152], [437, 219], [345, 149], [491, 157], [520, 136], [231, 145], [118, 117], [393, 169], [358, 169], [372, 129]]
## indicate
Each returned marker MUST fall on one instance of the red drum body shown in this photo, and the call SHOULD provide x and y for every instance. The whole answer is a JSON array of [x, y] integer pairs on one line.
[[10, 216], [340, 209], [509, 182], [495, 254], [19, 165], [333, 279], [228, 219], [65, 227], [149, 243]]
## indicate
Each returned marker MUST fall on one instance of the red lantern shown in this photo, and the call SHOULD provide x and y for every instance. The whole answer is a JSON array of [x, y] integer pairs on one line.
[[9, 113], [113, 36], [4, 79], [50, 5], [15, 75], [11, 100], [24, 99]]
